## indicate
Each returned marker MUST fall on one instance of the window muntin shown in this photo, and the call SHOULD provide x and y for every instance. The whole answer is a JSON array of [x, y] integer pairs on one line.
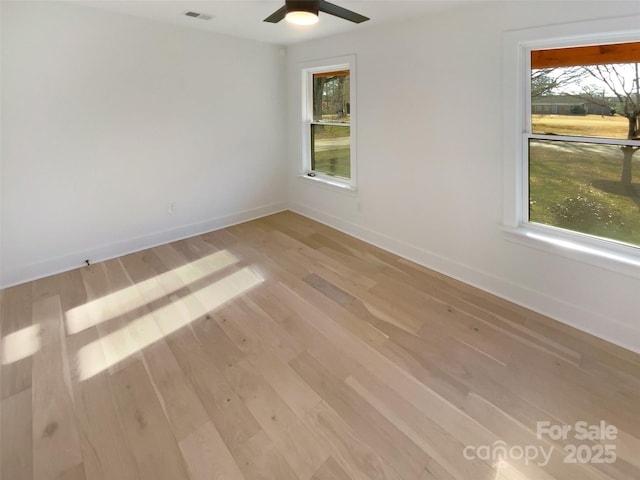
[[581, 140]]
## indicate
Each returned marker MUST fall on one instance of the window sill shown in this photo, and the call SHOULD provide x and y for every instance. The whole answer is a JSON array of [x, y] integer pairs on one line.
[[615, 258], [329, 184]]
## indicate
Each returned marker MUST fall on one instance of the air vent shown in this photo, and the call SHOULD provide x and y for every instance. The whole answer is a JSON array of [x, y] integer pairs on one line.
[[201, 16]]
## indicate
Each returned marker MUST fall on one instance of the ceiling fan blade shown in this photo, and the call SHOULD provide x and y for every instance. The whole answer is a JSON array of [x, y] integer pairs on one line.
[[338, 11], [276, 16]]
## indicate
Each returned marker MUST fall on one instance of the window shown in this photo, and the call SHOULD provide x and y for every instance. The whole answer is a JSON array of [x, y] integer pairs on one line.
[[571, 138], [582, 138], [328, 121]]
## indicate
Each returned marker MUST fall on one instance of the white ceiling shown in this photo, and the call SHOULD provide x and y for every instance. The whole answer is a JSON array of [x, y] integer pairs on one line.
[[243, 18]]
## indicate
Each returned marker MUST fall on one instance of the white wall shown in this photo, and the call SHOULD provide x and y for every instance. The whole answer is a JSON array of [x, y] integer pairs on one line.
[[107, 119], [430, 160]]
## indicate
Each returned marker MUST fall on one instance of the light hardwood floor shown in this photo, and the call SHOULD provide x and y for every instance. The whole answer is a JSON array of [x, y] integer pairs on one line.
[[282, 349]]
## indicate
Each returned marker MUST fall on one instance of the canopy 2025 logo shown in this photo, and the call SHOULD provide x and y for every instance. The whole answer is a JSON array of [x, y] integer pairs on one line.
[[583, 431], [592, 449]]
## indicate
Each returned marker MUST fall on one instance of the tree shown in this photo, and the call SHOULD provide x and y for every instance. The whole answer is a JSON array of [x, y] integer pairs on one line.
[[596, 95], [318, 92], [626, 88], [544, 81], [330, 94]]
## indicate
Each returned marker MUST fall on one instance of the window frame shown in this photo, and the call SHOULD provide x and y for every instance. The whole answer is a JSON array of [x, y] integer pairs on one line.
[[517, 46], [307, 70]]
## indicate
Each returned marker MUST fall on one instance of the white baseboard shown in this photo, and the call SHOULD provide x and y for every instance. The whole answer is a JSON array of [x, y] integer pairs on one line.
[[556, 308], [64, 263]]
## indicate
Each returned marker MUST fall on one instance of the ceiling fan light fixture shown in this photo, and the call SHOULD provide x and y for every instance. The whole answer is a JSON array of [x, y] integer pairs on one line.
[[301, 17], [305, 12]]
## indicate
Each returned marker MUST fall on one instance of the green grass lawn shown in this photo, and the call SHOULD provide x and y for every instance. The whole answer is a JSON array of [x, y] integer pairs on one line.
[[333, 162], [331, 156], [577, 186]]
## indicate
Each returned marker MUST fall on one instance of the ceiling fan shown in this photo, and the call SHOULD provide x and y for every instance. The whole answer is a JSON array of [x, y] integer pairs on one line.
[[305, 12]]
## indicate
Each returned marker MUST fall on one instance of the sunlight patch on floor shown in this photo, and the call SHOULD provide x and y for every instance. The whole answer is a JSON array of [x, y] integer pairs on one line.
[[135, 296], [20, 344], [144, 331]]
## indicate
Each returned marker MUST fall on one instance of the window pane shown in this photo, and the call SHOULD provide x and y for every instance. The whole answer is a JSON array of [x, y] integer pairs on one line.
[[331, 97], [577, 186], [331, 150], [589, 91]]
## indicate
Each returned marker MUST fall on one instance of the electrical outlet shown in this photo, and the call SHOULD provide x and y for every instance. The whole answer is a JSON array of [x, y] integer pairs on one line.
[[171, 207]]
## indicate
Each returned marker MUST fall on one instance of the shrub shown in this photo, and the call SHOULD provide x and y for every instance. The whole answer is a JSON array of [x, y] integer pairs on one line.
[[578, 110]]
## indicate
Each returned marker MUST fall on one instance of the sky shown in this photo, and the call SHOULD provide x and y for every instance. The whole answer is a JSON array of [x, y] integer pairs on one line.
[[626, 79]]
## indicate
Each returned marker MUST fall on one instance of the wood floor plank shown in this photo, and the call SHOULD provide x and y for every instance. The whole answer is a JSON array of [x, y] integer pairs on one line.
[[297, 443], [289, 310], [514, 433], [382, 436], [105, 446], [207, 456], [16, 321], [228, 412], [180, 403], [105, 281], [283, 349], [352, 453], [260, 459], [434, 471], [359, 301], [74, 473], [385, 369], [194, 248], [249, 322], [16, 438], [330, 470], [436, 442], [220, 239], [346, 309], [295, 392], [56, 444], [105, 450], [147, 430]]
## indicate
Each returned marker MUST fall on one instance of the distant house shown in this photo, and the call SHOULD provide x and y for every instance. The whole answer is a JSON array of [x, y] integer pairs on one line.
[[567, 105]]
